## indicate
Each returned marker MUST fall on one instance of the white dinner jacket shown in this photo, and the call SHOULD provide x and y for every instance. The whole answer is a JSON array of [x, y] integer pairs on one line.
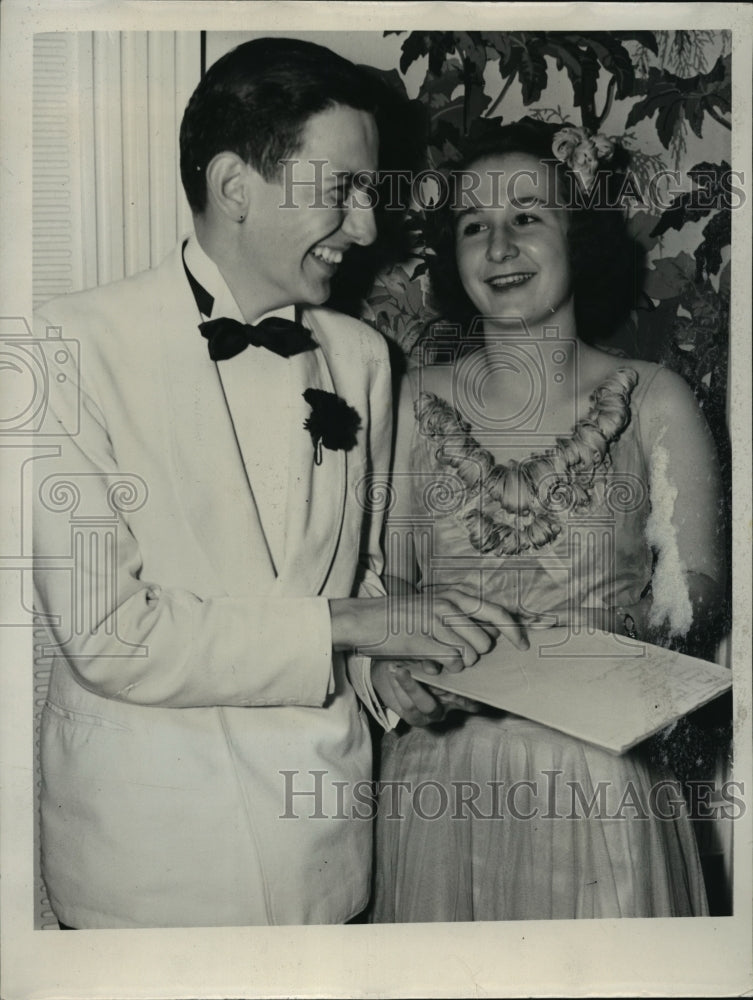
[[194, 692]]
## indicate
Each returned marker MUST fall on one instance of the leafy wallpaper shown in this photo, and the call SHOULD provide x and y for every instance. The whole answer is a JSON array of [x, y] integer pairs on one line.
[[666, 97]]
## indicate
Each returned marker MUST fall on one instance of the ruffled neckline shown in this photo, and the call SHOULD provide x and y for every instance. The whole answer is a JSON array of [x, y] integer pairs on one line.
[[510, 508]]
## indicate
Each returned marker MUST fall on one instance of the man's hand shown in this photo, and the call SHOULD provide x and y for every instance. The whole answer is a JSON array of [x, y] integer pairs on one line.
[[450, 627], [416, 703]]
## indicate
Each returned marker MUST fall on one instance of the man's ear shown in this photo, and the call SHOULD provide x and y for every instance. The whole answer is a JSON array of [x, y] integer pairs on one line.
[[227, 185]]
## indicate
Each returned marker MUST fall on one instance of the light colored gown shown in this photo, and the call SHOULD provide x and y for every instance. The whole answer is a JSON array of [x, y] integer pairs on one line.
[[537, 852]]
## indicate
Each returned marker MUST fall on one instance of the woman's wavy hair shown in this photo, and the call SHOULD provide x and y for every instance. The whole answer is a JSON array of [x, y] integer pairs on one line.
[[606, 263]]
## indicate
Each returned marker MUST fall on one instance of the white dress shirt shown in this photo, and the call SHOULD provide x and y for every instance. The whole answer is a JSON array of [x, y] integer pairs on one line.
[[261, 400]]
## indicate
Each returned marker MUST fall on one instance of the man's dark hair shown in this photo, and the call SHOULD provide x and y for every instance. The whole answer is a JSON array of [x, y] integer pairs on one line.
[[255, 101], [606, 263]]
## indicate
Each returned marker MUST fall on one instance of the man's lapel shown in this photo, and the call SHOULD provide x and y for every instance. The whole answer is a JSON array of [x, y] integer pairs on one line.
[[213, 487], [316, 493]]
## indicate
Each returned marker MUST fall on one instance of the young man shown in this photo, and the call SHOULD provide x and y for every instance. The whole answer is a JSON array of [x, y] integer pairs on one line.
[[202, 742]]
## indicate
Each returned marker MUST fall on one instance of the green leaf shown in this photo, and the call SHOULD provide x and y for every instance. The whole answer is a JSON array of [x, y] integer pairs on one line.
[[724, 280], [641, 227], [719, 170], [694, 115], [442, 43], [436, 91], [586, 83], [414, 46], [581, 68], [718, 92], [645, 38], [395, 280], [567, 56], [668, 121], [497, 41], [610, 53], [531, 70], [716, 235], [689, 207], [674, 217], [670, 96], [471, 47], [446, 140], [669, 277], [517, 58], [434, 44]]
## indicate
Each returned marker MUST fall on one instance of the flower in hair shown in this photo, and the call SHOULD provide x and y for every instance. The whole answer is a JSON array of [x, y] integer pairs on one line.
[[332, 424], [582, 151]]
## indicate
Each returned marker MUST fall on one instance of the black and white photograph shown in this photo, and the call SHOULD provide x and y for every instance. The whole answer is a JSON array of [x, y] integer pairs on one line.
[[376, 460]]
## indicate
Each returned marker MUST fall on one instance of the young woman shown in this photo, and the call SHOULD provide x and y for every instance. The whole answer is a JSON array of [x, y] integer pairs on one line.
[[570, 486]]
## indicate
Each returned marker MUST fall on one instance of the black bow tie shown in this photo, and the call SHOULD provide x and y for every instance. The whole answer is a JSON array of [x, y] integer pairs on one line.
[[227, 337]]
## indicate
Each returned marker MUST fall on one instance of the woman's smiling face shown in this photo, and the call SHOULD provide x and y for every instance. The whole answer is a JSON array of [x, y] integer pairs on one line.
[[511, 241]]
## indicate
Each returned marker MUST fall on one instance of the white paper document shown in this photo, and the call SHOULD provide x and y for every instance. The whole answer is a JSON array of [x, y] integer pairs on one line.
[[601, 688]]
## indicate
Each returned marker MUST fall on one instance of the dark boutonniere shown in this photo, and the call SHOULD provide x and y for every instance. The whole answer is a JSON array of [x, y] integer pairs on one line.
[[332, 424]]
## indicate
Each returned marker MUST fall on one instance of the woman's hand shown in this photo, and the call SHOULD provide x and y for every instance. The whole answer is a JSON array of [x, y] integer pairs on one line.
[[416, 703], [631, 620], [627, 620]]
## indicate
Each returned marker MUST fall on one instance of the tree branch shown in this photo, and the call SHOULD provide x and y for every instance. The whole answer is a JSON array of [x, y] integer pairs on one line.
[[608, 102], [498, 99], [466, 95]]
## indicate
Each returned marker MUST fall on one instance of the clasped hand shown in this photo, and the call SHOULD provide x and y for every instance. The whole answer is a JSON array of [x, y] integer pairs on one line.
[[418, 703], [445, 630]]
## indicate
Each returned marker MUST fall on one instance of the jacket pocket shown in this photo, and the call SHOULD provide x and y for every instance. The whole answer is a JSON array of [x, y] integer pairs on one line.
[[85, 719]]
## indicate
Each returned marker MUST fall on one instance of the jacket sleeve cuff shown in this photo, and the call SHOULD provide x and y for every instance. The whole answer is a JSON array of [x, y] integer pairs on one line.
[[359, 672], [318, 625]]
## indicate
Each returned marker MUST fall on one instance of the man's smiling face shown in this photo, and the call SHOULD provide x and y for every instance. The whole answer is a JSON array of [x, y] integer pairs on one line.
[[292, 252]]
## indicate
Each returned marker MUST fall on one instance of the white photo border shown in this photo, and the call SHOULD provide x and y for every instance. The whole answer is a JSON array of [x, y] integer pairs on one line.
[[698, 957]]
